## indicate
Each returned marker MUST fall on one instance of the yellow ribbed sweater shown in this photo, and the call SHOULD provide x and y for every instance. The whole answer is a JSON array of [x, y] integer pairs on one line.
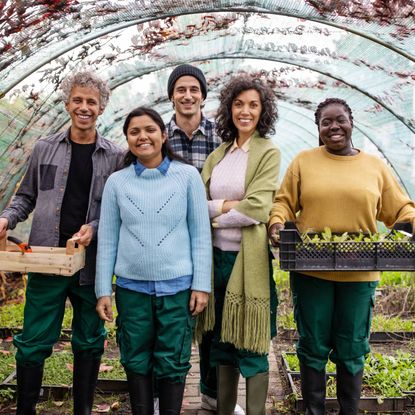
[[345, 193]]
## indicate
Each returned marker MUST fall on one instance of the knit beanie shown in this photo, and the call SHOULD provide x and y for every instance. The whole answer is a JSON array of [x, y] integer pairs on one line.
[[183, 70]]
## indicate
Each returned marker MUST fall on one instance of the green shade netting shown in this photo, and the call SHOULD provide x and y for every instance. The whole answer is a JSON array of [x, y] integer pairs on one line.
[[361, 51]]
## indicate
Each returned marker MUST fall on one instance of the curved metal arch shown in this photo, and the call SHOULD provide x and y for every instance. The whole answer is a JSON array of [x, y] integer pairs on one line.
[[371, 139], [118, 26], [245, 56], [238, 56], [306, 115]]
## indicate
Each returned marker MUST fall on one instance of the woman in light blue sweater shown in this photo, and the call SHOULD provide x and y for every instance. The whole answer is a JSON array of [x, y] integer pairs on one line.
[[154, 235]]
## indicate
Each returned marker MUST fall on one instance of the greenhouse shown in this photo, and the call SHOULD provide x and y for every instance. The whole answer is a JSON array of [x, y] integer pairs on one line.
[[362, 51], [359, 50]]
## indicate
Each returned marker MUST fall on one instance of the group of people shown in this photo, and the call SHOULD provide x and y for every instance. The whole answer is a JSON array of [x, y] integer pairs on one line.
[[183, 220]]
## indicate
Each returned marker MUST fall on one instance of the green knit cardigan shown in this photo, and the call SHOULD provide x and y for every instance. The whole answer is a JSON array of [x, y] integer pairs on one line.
[[246, 312]]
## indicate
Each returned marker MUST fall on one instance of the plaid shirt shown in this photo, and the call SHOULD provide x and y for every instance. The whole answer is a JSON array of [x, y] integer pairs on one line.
[[204, 140]]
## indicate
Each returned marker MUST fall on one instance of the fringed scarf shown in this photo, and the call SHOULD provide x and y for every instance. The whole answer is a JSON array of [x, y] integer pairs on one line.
[[246, 312]]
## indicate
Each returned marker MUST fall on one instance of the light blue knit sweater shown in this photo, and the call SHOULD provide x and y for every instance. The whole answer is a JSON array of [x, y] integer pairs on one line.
[[154, 227]]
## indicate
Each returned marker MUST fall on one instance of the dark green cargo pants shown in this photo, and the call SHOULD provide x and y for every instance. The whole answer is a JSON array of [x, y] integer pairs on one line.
[[249, 363], [44, 309], [154, 334], [333, 321]]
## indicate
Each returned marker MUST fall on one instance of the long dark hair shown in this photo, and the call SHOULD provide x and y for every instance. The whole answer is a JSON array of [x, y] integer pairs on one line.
[[166, 150], [224, 124]]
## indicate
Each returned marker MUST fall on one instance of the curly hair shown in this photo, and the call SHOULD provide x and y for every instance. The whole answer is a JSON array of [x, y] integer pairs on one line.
[[329, 101], [85, 79], [225, 127]]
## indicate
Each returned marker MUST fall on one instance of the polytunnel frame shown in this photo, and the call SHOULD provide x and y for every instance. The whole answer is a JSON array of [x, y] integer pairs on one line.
[[118, 26], [173, 64], [110, 28], [289, 63], [238, 56]]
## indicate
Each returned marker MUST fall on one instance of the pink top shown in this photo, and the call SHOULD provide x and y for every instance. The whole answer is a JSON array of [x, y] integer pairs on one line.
[[227, 182]]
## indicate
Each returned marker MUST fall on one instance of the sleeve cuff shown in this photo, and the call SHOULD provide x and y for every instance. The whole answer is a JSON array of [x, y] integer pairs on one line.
[[215, 207]]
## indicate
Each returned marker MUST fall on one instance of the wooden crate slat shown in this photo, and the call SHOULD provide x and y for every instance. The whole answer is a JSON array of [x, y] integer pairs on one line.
[[42, 259]]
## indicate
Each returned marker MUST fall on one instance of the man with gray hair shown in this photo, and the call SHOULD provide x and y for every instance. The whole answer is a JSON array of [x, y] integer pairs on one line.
[[63, 184]]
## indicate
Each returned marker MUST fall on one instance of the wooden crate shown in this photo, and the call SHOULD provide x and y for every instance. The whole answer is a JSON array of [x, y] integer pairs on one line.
[[43, 259]]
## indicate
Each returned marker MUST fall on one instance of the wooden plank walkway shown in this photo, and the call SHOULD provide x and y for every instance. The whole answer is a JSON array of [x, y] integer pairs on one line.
[[191, 401]]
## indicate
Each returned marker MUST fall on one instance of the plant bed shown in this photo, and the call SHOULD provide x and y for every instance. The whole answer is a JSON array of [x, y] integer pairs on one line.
[[390, 336], [310, 253], [57, 379], [60, 392], [7, 332], [11, 321], [384, 329], [375, 336], [373, 400], [369, 405]]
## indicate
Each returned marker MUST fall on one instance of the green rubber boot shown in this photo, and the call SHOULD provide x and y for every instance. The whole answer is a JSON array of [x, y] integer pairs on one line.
[[256, 393], [228, 378]]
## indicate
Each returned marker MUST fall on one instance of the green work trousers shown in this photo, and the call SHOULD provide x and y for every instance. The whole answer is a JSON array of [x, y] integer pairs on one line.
[[333, 321], [154, 334], [208, 379], [44, 309], [249, 363]]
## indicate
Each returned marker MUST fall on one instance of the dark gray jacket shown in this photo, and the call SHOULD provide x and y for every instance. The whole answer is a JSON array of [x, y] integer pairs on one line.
[[43, 187]]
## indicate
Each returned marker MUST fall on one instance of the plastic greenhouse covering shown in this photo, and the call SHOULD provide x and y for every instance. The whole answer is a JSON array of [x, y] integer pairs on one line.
[[360, 50]]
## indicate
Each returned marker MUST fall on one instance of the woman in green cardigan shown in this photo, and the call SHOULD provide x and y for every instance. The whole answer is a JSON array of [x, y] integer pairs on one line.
[[241, 178]]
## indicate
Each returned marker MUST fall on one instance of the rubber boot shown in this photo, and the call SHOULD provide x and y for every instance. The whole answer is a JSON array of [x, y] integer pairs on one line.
[[313, 389], [228, 379], [256, 393], [140, 388], [85, 375], [170, 397], [29, 383], [348, 390]]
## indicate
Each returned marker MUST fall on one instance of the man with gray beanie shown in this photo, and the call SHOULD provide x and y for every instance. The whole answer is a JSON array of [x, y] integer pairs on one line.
[[193, 136]]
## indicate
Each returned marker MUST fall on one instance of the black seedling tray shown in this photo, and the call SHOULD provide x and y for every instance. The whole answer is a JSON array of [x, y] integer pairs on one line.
[[297, 255]]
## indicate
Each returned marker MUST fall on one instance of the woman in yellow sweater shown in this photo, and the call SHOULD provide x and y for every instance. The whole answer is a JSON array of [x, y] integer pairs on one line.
[[338, 186]]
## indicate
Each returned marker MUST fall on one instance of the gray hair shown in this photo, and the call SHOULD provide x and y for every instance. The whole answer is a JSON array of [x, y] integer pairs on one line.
[[85, 79]]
